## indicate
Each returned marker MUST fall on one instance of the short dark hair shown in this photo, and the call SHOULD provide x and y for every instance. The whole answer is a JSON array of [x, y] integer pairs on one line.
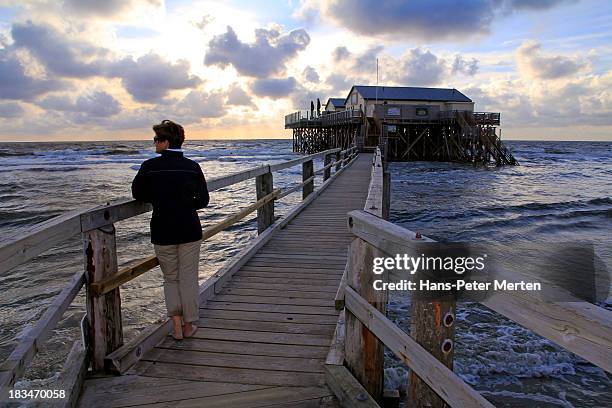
[[170, 131]]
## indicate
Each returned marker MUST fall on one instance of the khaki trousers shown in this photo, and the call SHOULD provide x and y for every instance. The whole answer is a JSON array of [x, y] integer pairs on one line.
[[180, 264]]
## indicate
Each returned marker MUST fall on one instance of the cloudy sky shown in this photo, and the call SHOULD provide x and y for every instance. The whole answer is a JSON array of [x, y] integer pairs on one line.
[[109, 69]]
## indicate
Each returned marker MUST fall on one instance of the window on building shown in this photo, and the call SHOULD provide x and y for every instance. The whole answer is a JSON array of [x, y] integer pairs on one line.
[[422, 111]]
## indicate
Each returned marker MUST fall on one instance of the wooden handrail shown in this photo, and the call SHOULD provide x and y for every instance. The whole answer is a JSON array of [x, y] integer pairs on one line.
[[580, 327], [442, 380], [18, 249], [30, 341]]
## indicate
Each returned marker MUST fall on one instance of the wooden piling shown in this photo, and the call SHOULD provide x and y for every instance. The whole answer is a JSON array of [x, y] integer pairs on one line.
[[433, 327], [103, 312], [264, 185], [307, 172], [326, 162], [363, 351]]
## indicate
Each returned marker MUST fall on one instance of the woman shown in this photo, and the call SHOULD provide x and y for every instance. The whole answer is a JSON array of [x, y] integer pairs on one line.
[[177, 188]]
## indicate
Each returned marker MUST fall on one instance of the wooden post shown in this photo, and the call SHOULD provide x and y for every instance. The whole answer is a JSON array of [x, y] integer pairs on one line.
[[103, 312], [386, 195], [363, 351], [264, 185], [338, 161], [307, 172], [326, 161], [433, 327]]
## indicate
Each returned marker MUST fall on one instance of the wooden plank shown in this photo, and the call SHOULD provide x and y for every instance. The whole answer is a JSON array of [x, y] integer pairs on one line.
[[332, 277], [232, 289], [300, 160], [234, 218], [277, 397], [580, 327], [131, 390], [317, 310], [263, 337], [268, 316], [276, 300], [442, 380], [347, 389], [22, 247], [279, 286], [212, 359], [135, 269], [374, 202], [335, 356], [234, 375], [31, 340], [339, 298], [71, 378], [307, 174], [246, 348], [272, 327], [290, 282]]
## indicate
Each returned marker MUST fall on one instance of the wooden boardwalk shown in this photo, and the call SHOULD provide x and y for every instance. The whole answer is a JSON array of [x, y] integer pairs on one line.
[[264, 338]]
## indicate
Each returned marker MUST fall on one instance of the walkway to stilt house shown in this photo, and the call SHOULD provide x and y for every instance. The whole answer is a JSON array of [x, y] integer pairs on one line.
[[264, 338]]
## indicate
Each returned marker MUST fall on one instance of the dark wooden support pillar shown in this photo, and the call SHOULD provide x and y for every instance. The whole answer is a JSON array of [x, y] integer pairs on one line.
[[103, 312], [307, 172], [264, 185], [364, 353], [327, 161], [386, 195], [338, 161]]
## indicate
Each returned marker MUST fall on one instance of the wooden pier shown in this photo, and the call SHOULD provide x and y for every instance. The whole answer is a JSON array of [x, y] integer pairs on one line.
[[290, 321]]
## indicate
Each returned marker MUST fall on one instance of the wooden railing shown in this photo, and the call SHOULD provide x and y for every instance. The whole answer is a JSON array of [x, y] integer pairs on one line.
[[104, 348], [355, 363]]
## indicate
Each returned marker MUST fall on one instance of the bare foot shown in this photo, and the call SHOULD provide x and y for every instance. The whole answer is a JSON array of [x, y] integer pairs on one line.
[[177, 333], [189, 329]]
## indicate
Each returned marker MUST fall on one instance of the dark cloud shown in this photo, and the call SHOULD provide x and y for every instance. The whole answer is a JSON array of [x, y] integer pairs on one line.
[[95, 105], [428, 20], [310, 74], [534, 64], [105, 8], [60, 55], [150, 77], [421, 68], [463, 66], [274, 88], [238, 97], [204, 22], [265, 57], [16, 84], [10, 110], [341, 53]]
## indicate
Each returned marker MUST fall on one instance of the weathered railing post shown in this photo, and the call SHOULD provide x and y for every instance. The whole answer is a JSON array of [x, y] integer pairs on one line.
[[338, 160], [326, 162], [264, 184], [307, 172], [433, 327], [386, 193], [103, 312], [364, 353]]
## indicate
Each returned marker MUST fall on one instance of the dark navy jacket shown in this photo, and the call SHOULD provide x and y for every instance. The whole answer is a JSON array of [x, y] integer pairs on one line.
[[176, 187]]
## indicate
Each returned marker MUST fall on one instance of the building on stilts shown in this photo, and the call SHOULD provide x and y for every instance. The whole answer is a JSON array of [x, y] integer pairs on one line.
[[407, 123]]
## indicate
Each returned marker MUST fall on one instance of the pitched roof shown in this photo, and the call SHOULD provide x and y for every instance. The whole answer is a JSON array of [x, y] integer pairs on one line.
[[337, 102], [406, 93]]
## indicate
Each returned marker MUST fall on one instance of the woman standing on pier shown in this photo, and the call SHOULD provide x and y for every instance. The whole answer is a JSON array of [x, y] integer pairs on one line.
[[177, 188]]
